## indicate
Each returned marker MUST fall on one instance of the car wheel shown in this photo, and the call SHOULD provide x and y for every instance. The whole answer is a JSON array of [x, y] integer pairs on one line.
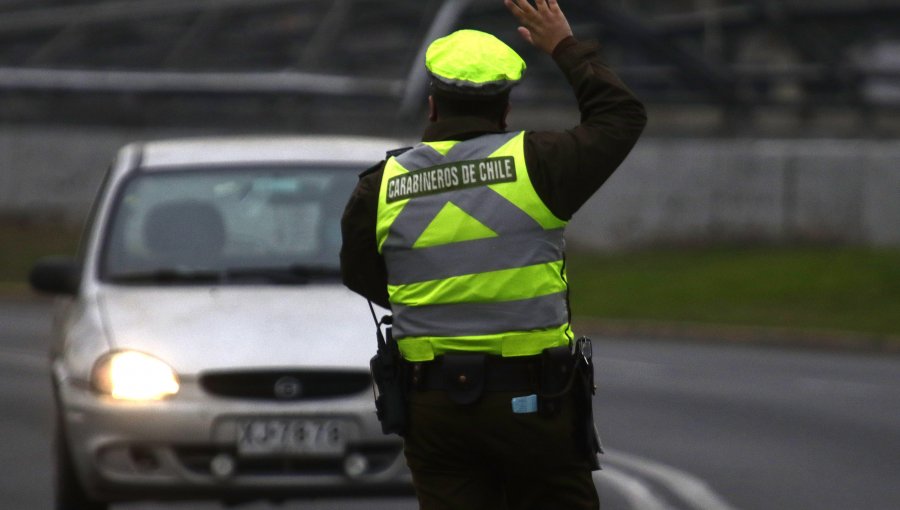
[[68, 492]]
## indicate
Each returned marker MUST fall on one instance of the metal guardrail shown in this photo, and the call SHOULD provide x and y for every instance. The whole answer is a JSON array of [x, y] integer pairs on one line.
[[288, 82], [659, 67], [25, 21]]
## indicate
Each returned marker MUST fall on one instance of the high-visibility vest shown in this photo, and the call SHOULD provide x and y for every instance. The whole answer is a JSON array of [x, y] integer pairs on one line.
[[475, 259]]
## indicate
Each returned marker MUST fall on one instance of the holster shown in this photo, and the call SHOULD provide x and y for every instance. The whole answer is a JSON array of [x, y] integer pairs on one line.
[[570, 370], [390, 380], [584, 389]]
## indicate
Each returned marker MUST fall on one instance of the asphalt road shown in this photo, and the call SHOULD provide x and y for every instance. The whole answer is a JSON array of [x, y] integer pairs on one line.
[[687, 427]]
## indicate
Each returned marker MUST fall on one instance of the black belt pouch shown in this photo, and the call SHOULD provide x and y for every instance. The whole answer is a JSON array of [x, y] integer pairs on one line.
[[464, 377], [556, 373]]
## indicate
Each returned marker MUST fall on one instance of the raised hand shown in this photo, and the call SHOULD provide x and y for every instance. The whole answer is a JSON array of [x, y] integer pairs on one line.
[[543, 25]]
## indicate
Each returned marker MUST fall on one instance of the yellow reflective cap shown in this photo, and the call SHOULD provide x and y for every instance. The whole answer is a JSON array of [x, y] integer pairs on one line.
[[473, 62]]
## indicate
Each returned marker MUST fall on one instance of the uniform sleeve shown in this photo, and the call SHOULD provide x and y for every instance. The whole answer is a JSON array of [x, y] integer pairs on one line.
[[362, 267], [568, 167]]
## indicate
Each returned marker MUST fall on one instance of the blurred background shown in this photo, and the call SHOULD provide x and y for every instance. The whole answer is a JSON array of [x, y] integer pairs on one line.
[[771, 148], [762, 205]]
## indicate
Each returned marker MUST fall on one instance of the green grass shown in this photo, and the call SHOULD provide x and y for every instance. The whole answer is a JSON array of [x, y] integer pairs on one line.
[[831, 288], [855, 290]]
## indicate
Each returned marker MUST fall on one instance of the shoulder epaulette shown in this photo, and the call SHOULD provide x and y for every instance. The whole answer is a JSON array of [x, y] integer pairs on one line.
[[396, 152], [372, 169], [377, 166]]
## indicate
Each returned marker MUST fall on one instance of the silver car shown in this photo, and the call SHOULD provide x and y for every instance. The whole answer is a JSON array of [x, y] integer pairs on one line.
[[204, 346]]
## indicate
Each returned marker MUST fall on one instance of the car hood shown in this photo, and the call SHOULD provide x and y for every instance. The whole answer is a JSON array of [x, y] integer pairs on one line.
[[211, 328]]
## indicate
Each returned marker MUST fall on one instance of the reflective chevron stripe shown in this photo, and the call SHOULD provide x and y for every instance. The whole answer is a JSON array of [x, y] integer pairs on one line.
[[444, 261], [462, 319]]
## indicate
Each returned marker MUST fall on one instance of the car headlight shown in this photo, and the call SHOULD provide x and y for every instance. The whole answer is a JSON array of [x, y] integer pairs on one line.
[[132, 375]]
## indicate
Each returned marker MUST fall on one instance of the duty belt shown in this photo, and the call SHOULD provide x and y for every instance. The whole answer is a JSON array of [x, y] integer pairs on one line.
[[466, 376]]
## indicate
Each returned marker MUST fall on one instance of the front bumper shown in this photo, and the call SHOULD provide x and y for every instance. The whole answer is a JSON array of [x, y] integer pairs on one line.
[[177, 448]]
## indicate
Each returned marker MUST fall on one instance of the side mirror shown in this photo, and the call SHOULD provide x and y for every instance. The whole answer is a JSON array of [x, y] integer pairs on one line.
[[56, 275]]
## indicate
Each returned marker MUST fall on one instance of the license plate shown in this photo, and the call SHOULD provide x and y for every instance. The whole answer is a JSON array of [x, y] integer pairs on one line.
[[291, 436]]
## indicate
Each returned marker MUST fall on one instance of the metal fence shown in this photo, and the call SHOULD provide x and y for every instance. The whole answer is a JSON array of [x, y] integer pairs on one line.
[[110, 61]]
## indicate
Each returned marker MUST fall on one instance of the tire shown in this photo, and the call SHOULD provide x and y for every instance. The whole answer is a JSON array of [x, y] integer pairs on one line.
[[68, 494]]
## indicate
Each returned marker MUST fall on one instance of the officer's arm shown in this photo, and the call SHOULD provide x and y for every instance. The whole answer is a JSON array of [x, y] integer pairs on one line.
[[362, 267], [568, 167]]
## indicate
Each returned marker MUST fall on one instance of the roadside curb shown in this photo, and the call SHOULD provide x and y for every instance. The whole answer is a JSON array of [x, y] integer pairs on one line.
[[747, 335]]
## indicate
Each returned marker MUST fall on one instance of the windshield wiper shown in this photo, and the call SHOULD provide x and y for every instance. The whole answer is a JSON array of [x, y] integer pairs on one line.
[[315, 271], [284, 275], [169, 275], [295, 274]]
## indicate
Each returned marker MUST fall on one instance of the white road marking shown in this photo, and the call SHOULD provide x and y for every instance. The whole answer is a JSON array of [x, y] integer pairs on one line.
[[637, 494], [19, 357], [691, 490]]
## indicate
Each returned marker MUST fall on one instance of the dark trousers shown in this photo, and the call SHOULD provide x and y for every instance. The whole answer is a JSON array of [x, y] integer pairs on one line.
[[483, 456]]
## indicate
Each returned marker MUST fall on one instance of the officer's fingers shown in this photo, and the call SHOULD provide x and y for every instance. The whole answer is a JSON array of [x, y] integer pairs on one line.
[[526, 34], [551, 13], [514, 8], [526, 7], [548, 6], [554, 7]]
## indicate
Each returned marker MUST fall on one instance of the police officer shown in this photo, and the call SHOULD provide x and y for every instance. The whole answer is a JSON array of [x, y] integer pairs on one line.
[[461, 237]]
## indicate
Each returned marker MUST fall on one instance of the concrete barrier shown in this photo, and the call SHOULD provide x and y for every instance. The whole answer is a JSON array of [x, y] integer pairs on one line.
[[781, 191], [668, 191]]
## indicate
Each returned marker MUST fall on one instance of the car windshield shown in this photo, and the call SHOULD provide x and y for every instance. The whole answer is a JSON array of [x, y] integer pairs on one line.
[[227, 225]]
